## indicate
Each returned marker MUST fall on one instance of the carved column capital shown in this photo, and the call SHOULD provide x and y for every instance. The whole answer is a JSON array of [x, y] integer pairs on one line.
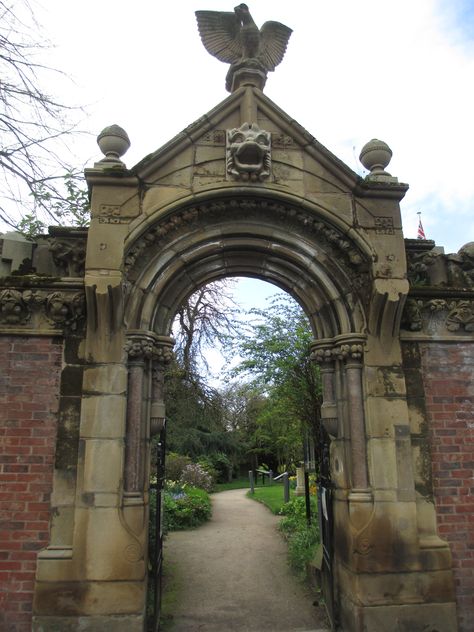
[[349, 348], [322, 352], [146, 345]]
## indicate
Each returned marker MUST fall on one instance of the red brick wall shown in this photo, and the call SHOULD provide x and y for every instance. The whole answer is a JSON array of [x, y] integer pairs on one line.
[[29, 389], [448, 376]]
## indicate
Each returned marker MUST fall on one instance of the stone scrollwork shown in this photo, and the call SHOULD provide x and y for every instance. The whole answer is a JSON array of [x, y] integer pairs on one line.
[[60, 309], [434, 315], [461, 317], [248, 153]]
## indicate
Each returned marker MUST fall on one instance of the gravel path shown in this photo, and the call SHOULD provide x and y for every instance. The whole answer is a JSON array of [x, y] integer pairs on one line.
[[232, 575]]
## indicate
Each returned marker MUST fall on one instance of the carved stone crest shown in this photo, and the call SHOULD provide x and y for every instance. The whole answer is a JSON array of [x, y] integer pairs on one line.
[[248, 152]]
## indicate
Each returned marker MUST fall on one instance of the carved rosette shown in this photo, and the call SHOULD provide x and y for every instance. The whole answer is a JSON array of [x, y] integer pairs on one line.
[[39, 308], [431, 316], [248, 153]]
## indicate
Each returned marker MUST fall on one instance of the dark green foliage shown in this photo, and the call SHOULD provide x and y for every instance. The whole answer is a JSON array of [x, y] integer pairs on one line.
[[302, 539], [195, 420], [219, 465], [186, 509]]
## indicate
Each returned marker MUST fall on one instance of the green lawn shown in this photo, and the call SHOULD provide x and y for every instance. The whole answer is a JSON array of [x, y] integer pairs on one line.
[[271, 496], [238, 483]]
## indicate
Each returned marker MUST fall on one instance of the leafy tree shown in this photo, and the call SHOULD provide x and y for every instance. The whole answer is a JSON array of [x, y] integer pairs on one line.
[[242, 403], [275, 355], [31, 124]]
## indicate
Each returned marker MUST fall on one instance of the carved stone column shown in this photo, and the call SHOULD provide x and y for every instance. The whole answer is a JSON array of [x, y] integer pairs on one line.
[[350, 352], [163, 356], [145, 350], [323, 355]]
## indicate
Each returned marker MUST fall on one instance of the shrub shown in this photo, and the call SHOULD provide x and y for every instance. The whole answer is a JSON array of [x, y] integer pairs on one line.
[[218, 465], [223, 465], [302, 539], [195, 475], [206, 463], [186, 509], [174, 465]]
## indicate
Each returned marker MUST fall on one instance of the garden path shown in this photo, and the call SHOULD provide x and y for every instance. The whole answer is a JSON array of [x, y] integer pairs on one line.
[[232, 575]]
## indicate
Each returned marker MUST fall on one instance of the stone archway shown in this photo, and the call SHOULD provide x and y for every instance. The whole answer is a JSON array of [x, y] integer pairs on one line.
[[272, 240], [180, 219]]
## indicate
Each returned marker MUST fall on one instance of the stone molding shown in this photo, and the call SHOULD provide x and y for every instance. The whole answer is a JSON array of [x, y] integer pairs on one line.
[[166, 228], [59, 308]]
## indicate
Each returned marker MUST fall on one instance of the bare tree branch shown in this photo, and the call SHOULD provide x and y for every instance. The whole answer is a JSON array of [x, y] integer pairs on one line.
[[31, 123]]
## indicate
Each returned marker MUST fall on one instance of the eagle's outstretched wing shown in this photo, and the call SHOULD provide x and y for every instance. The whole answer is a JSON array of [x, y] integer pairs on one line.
[[274, 40], [220, 34]]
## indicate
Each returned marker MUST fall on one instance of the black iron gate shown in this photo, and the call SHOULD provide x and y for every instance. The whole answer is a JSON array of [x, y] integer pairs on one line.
[[155, 565], [325, 513]]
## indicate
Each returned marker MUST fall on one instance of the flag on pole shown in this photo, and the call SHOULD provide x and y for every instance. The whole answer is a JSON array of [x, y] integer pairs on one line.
[[421, 232]]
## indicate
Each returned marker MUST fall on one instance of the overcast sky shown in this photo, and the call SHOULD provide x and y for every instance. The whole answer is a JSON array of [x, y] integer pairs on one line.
[[399, 71]]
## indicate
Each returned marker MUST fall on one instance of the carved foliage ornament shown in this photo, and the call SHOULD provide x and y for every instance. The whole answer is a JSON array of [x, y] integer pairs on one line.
[[248, 154], [434, 314], [346, 352], [60, 309], [147, 348]]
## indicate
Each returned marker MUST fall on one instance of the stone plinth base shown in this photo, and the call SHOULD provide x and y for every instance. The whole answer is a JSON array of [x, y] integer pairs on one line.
[[401, 618]]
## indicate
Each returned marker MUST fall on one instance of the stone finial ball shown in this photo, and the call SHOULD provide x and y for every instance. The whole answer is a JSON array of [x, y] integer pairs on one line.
[[113, 142], [375, 156]]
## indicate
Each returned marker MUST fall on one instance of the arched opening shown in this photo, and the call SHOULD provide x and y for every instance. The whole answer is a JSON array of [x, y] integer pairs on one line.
[[322, 267]]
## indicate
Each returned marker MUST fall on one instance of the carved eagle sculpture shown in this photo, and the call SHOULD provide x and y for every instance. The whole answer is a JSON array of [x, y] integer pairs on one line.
[[234, 38]]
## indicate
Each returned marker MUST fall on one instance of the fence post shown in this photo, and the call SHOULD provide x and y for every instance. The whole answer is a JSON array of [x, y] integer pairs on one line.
[[252, 482], [306, 498], [286, 487], [270, 477]]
